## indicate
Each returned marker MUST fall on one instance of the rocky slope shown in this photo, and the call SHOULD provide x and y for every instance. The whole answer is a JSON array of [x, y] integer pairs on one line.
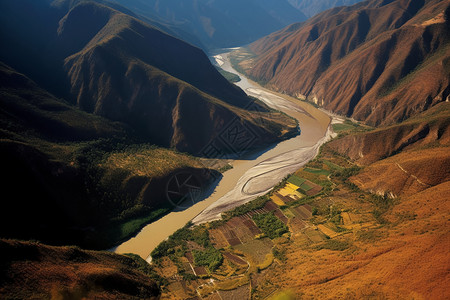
[[403, 159], [220, 23], [313, 7], [377, 61], [430, 128]]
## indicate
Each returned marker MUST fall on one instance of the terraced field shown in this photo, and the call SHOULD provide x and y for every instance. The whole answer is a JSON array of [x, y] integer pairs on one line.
[[328, 218]]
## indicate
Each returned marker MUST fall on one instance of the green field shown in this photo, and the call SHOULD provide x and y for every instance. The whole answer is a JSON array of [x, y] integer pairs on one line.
[[228, 75], [342, 127], [295, 180], [305, 187], [332, 165], [317, 171]]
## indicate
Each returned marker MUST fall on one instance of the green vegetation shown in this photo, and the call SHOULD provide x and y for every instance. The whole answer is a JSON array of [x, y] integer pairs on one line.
[[317, 171], [246, 208], [209, 257], [296, 180], [116, 174], [346, 126], [121, 230], [279, 253], [225, 168], [144, 267], [197, 234], [270, 225], [382, 205], [332, 166], [345, 173], [305, 187], [229, 76]]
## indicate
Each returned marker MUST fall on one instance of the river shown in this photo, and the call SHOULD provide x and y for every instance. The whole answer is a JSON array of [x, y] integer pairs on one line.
[[248, 178]]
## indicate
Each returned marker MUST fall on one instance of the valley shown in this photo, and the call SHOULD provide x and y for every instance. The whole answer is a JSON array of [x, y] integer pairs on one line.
[[251, 176], [325, 212], [146, 156], [330, 234]]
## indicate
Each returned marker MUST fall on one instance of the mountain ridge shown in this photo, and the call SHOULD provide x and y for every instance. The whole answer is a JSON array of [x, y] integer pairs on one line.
[[116, 66], [219, 23], [366, 61]]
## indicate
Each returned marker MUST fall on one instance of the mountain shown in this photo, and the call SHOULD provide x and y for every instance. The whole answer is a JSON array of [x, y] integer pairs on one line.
[[171, 29], [220, 23], [87, 92], [373, 212], [74, 177], [116, 66], [377, 61], [72, 273], [311, 8], [402, 159]]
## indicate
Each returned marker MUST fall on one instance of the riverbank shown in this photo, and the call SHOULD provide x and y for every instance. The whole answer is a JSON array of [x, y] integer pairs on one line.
[[248, 178], [260, 179]]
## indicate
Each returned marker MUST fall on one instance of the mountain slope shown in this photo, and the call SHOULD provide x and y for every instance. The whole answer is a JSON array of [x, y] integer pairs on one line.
[[402, 159], [428, 129], [313, 7], [378, 228], [170, 29], [377, 61], [220, 23], [71, 273], [73, 177], [116, 66]]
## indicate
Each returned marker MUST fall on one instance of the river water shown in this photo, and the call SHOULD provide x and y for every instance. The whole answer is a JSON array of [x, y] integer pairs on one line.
[[248, 178]]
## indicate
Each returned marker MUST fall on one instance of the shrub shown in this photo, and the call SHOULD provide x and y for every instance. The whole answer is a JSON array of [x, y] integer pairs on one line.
[[279, 253], [270, 225], [210, 258]]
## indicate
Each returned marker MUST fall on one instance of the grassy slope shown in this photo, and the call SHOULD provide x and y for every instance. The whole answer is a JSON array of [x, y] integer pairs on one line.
[[71, 273]]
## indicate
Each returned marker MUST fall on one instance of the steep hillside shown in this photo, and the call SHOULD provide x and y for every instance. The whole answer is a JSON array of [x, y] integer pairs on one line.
[[429, 129], [72, 273], [169, 28], [377, 231], [403, 159], [377, 61], [220, 23], [313, 7], [116, 66], [73, 177]]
